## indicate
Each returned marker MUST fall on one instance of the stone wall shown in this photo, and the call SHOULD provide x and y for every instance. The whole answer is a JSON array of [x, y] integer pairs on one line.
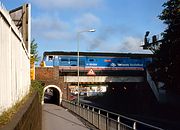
[[29, 117]]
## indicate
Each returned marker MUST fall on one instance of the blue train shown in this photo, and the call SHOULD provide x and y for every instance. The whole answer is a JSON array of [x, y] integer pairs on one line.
[[97, 59]]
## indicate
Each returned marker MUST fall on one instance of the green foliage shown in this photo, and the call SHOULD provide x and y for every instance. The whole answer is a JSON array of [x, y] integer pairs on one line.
[[171, 17], [170, 12], [34, 51], [37, 86], [169, 53]]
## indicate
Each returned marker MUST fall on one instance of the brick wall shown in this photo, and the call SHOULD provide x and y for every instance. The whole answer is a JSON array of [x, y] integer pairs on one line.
[[50, 76], [29, 117], [44, 74]]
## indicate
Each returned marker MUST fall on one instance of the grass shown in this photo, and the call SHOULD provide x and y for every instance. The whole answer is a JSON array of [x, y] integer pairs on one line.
[[37, 86], [7, 115]]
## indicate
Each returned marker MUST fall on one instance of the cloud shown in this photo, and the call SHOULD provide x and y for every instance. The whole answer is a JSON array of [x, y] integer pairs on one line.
[[50, 28], [70, 4], [104, 35], [57, 35], [86, 21], [48, 22], [130, 45], [116, 38]]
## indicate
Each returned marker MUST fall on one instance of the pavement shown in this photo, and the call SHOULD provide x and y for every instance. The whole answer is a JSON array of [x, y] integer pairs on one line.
[[57, 118]]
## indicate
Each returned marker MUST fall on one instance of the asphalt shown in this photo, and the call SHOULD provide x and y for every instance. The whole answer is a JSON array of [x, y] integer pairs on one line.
[[57, 118]]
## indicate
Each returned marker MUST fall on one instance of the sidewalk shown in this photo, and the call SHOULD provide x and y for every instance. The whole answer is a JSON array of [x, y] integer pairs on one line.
[[57, 118]]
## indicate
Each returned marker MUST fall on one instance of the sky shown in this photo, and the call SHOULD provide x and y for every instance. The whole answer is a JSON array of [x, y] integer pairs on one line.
[[120, 24]]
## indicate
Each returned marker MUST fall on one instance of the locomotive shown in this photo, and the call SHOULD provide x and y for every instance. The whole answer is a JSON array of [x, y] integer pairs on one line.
[[98, 60]]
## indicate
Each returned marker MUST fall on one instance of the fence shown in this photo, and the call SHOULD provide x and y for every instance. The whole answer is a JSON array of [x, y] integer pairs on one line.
[[14, 63], [105, 120]]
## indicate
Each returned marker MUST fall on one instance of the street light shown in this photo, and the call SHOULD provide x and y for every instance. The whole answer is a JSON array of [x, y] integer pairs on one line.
[[78, 35]]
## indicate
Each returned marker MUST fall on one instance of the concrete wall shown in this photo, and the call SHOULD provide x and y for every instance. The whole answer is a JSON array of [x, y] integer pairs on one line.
[[29, 117], [15, 63], [103, 79]]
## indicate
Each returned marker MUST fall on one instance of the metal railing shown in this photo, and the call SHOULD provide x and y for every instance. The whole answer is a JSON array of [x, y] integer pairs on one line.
[[155, 38], [106, 120]]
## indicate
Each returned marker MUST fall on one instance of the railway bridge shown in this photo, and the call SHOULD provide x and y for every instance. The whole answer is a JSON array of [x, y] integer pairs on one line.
[[111, 70], [51, 78]]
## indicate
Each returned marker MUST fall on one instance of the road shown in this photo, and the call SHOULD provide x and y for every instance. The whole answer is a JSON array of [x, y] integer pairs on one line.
[[169, 122], [57, 118]]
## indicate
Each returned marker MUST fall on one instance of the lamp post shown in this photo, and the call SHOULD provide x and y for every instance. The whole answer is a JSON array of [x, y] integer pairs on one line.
[[78, 35]]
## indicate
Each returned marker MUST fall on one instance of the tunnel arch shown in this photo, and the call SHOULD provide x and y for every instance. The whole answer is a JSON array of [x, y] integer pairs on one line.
[[55, 87]]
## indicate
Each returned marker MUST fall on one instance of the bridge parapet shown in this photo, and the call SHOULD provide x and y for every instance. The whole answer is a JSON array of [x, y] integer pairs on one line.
[[103, 79]]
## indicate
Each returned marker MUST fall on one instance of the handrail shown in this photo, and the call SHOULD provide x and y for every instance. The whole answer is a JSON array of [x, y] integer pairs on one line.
[[118, 122]]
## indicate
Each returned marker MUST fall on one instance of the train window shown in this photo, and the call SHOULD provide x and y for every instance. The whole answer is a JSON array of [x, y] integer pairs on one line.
[[136, 58], [73, 65], [50, 58], [73, 59], [64, 59], [91, 60]]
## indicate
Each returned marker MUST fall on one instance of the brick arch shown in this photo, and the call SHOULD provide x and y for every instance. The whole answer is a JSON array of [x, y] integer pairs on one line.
[[52, 86]]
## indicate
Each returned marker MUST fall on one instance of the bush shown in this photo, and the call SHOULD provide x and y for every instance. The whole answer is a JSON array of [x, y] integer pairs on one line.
[[37, 86]]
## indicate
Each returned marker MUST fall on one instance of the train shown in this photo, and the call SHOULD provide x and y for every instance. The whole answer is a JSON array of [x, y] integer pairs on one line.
[[97, 60]]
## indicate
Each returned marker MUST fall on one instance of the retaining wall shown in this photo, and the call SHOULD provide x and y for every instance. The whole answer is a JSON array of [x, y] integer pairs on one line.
[[29, 116]]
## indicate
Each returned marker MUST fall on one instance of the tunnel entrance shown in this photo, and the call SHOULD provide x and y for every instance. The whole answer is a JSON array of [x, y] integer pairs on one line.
[[52, 94]]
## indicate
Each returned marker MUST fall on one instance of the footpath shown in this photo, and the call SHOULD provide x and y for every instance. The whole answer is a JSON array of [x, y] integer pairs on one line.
[[57, 118]]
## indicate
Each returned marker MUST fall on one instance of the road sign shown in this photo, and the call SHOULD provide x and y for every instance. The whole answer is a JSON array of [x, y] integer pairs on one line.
[[91, 72]]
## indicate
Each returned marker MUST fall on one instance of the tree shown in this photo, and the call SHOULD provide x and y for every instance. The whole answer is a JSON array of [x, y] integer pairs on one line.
[[34, 52], [169, 53]]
